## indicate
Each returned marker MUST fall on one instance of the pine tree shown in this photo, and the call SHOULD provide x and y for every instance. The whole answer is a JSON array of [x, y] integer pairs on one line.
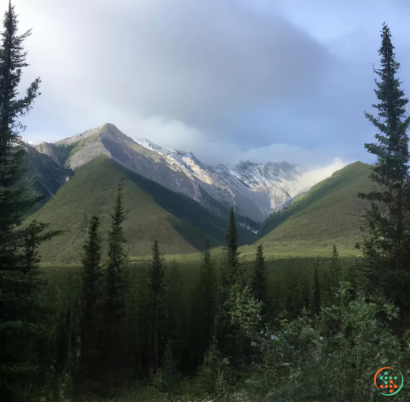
[[23, 362], [14, 199], [91, 293], [386, 246], [238, 313], [334, 267], [157, 287], [316, 302], [204, 308], [114, 305], [231, 269], [259, 282]]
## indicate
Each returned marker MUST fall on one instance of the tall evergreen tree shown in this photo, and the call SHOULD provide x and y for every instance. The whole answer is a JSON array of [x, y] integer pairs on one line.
[[14, 199], [91, 293], [386, 247], [334, 266], [114, 304], [231, 268], [21, 318], [259, 282], [234, 324], [316, 302], [204, 308], [158, 312]]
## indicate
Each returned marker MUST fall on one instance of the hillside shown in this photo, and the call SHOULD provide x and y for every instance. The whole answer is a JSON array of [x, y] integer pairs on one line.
[[179, 224], [330, 212]]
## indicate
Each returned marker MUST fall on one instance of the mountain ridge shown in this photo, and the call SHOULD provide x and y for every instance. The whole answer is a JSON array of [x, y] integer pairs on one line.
[[255, 190]]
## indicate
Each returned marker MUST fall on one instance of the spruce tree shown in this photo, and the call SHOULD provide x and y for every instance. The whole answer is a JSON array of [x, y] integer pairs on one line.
[[386, 246], [92, 273], [14, 199], [234, 323], [204, 308], [334, 267], [231, 269], [316, 302], [158, 311], [114, 304], [259, 282], [21, 317]]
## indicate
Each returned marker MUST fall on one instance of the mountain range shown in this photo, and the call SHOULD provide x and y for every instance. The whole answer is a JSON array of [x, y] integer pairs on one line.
[[174, 197], [255, 190]]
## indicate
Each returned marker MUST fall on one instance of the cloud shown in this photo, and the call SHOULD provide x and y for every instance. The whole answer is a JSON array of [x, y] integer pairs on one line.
[[173, 134], [205, 65], [319, 173], [225, 79]]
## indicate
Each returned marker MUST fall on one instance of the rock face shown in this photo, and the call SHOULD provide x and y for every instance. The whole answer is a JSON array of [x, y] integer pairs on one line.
[[255, 190], [45, 172]]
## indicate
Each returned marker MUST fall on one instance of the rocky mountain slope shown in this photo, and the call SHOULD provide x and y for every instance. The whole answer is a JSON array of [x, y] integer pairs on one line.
[[44, 175], [255, 190]]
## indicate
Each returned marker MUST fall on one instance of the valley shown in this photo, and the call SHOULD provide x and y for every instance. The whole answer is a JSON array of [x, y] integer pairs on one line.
[[173, 197]]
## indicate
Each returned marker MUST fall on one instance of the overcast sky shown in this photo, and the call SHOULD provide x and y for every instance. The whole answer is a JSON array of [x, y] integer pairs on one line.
[[226, 79]]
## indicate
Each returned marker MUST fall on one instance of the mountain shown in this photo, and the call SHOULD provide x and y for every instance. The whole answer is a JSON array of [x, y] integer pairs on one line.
[[188, 200], [329, 213], [179, 223], [255, 190]]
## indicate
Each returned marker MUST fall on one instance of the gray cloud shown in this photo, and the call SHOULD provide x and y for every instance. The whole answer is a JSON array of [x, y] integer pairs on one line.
[[225, 79]]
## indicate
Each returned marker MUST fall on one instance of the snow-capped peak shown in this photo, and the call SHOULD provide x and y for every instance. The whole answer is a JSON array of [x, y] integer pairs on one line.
[[153, 147]]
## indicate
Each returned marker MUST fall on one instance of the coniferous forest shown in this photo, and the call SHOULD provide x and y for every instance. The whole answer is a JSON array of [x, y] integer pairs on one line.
[[222, 330]]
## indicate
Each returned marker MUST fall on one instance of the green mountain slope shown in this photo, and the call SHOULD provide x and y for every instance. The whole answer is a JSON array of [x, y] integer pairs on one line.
[[330, 212], [177, 222]]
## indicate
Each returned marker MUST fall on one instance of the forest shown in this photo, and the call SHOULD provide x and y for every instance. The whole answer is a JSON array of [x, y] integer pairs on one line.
[[217, 329]]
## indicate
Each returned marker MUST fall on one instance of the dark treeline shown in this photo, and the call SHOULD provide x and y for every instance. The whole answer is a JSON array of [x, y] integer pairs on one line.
[[237, 333]]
